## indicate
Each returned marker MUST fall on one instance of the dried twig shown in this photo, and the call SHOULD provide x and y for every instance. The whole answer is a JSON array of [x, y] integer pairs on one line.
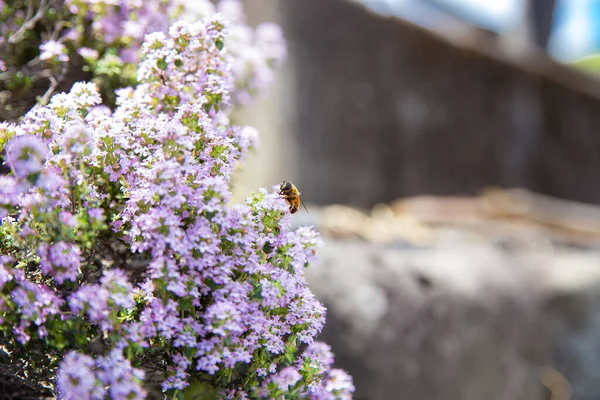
[[53, 85], [51, 89], [557, 384], [30, 21]]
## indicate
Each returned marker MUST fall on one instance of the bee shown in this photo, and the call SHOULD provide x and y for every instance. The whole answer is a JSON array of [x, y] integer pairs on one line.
[[291, 195]]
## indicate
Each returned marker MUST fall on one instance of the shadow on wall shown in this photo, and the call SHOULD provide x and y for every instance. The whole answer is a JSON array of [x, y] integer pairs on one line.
[[274, 160]]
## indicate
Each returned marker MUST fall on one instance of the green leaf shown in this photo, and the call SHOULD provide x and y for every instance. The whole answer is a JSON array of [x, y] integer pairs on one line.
[[162, 64]]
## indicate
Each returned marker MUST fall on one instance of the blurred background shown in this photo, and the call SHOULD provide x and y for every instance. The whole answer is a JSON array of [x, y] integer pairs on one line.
[[449, 152]]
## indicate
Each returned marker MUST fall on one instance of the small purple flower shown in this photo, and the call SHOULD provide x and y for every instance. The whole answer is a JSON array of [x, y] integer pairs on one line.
[[10, 188], [61, 260], [224, 318], [122, 380], [85, 94], [233, 10], [36, 303], [287, 377], [88, 53], [72, 34], [76, 378], [96, 214], [76, 139], [26, 154], [20, 331], [320, 352], [67, 218], [121, 291], [270, 293], [340, 383], [91, 299], [5, 275], [248, 137], [97, 112], [52, 49], [270, 40]]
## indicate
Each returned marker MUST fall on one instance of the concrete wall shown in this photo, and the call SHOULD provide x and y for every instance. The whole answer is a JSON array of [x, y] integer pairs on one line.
[[368, 109]]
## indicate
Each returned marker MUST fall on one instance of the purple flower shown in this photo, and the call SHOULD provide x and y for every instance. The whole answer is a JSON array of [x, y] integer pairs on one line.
[[5, 266], [115, 282], [10, 188], [76, 139], [339, 383], [36, 304], [88, 53], [61, 260], [82, 377], [122, 380], [177, 373], [161, 318], [270, 293], [93, 300], [26, 154], [76, 378], [52, 49], [270, 40], [223, 318], [286, 377], [84, 95], [72, 34], [223, 286], [67, 218], [233, 10], [96, 214], [321, 353]]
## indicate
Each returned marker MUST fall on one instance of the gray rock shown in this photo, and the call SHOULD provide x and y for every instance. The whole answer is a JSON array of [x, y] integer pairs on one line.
[[466, 322]]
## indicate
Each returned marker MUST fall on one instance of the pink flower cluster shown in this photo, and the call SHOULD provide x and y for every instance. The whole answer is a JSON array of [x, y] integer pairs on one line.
[[119, 248], [123, 25]]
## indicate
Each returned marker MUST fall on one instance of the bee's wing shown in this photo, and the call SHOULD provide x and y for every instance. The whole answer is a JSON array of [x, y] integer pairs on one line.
[[303, 204]]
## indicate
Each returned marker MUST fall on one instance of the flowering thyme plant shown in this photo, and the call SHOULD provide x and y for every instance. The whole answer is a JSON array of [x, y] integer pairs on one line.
[[48, 44], [122, 265]]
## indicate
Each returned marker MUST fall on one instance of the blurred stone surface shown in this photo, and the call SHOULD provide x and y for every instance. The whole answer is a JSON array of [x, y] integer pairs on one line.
[[483, 306], [460, 323]]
